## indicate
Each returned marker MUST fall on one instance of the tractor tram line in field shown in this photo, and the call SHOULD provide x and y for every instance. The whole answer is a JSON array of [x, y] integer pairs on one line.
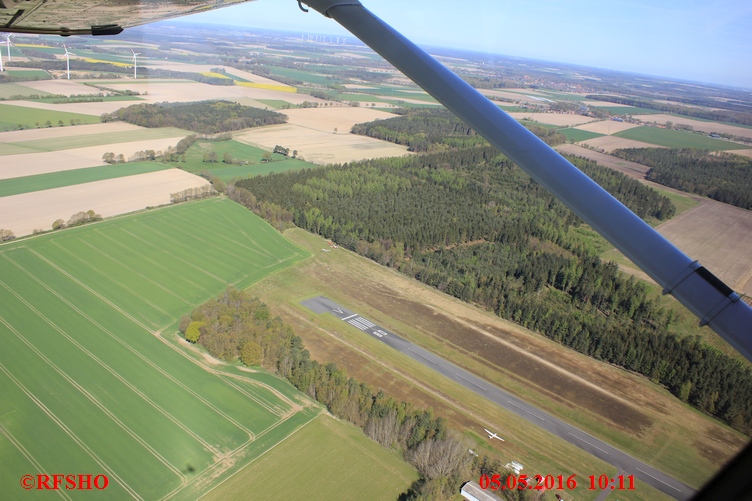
[[120, 284], [120, 396], [109, 369], [41, 406]]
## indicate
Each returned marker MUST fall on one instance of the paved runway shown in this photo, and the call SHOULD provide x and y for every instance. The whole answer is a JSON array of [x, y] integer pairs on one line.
[[625, 463]]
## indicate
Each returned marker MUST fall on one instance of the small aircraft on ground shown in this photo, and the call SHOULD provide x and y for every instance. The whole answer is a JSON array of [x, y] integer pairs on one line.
[[493, 435]]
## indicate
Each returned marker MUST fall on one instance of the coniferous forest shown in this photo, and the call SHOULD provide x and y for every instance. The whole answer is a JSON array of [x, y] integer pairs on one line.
[[473, 225], [724, 177]]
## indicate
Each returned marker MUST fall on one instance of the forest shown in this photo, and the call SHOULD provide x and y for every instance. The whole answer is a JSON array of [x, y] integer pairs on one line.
[[724, 177], [236, 326], [473, 225], [436, 129], [205, 117]]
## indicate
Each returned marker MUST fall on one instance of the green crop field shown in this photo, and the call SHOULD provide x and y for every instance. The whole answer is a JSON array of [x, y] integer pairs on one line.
[[8, 90], [236, 78], [109, 58], [274, 103], [29, 75], [320, 457], [626, 110], [365, 98], [27, 184], [302, 76], [578, 135], [13, 116], [562, 96], [678, 139], [62, 100], [228, 173], [194, 160], [85, 140], [94, 380]]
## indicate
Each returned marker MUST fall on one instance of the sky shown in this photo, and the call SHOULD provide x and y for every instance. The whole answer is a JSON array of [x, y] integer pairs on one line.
[[704, 41]]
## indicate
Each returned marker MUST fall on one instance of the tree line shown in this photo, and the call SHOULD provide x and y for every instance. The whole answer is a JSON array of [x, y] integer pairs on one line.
[[721, 176], [205, 117], [473, 225], [235, 326]]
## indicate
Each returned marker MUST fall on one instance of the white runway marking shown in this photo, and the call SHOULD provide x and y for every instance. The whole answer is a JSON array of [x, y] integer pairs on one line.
[[422, 356], [658, 479], [366, 322], [354, 322], [591, 445], [471, 382], [351, 316], [526, 410]]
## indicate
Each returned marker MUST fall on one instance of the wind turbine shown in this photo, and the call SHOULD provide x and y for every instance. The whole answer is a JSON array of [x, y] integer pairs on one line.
[[7, 43], [135, 62], [67, 59]]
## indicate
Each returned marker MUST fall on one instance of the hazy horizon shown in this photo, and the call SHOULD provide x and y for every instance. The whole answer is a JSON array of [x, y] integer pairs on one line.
[[695, 41]]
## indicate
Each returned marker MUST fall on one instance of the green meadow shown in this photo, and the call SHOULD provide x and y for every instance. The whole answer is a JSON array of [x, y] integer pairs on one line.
[[227, 172], [302, 76], [626, 110], [94, 380], [275, 103], [321, 457], [678, 139], [57, 100], [24, 75], [28, 184], [8, 90], [13, 116]]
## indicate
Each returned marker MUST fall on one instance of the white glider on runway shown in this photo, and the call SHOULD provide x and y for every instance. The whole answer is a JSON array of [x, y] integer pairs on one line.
[[493, 435]]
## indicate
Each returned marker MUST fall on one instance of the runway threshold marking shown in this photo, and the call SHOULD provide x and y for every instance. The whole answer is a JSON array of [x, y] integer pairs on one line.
[[591, 445], [526, 410], [351, 316], [658, 479], [355, 322]]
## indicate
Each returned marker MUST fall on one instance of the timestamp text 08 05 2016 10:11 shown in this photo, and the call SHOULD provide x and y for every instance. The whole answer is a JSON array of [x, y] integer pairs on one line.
[[550, 482]]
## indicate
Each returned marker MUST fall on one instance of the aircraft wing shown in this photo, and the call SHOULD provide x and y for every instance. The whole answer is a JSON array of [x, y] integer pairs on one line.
[[94, 17]]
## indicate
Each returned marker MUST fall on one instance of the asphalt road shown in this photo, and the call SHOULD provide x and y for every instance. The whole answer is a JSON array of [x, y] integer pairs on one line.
[[626, 464]]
